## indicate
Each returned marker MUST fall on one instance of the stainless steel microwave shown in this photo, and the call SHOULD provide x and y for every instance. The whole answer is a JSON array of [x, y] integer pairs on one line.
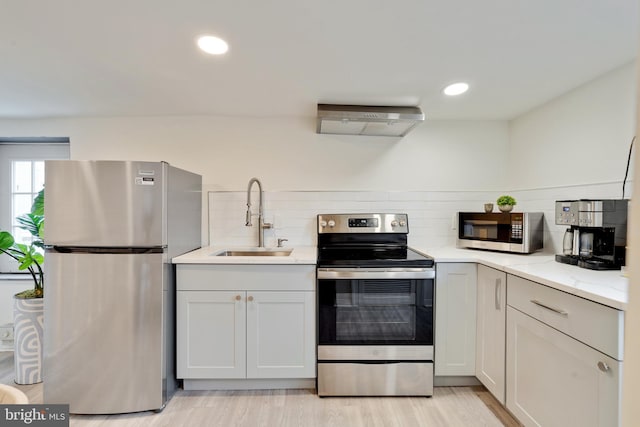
[[519, 232]]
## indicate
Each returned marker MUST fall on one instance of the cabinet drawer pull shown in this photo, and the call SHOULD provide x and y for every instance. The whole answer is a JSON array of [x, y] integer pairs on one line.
[[497, 293], [603, 366], [238, 297], [548, 307], [250, 298]]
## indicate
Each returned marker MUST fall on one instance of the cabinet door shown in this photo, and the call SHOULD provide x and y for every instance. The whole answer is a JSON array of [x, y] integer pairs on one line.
[[281, 335], [555, 380], [491, 330], [211, 334], [455, 323]]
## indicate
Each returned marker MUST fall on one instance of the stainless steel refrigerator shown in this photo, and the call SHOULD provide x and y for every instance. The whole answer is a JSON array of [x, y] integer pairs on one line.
[[111, 230]]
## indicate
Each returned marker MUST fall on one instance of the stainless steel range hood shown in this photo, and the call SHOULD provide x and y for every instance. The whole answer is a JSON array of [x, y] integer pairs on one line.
[[367, 120]]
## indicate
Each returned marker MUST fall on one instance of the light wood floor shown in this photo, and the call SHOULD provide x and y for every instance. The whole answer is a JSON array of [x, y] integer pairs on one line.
[[449, 407]]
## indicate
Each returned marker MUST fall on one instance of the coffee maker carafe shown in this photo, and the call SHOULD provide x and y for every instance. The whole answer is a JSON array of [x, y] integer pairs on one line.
[[598, 232], [586, 244], [567, 242]]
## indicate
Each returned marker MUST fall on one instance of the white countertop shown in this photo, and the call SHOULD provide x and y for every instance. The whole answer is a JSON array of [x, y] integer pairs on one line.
[[207, 255], [605, 287]]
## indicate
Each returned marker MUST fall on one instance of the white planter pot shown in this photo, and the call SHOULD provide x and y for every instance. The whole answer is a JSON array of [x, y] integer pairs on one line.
[[28, 321]]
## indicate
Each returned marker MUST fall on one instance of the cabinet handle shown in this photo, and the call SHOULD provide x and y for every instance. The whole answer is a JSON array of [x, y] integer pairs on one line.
[[249, 298], [238, 297], [497, 293], [548, 307], [603, 366]]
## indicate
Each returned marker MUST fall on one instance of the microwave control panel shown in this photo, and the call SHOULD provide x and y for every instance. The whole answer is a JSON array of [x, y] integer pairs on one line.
[[516, 228]]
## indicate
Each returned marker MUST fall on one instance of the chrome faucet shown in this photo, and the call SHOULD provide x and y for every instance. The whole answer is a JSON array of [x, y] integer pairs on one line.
[[261, 224]]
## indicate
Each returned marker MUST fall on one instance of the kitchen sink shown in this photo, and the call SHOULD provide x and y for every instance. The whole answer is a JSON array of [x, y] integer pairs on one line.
[[255, 252]]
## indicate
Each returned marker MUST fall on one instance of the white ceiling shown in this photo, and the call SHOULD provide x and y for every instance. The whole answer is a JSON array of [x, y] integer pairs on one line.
[[138, 57]]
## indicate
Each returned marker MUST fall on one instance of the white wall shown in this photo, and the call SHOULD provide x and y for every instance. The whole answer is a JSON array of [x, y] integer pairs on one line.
[[579, 138], [631, 373], [631, 379], [582, 137], [287, 154], [575, 146]]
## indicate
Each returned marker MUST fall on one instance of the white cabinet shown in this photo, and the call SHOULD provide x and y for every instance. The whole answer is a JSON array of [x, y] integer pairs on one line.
[[211, 340], [455, 319], [557, 371], [281, 335], [245, 321], [491, 330]]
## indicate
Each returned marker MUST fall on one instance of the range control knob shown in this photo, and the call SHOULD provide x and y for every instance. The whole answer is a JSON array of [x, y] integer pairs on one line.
[[332, 223], [323, 224], [394, 223], [403, 223]]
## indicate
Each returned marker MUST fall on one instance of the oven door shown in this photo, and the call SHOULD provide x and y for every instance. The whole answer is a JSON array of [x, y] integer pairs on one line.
[[375, 307]]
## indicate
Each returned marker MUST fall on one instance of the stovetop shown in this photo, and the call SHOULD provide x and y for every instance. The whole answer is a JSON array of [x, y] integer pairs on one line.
[[372, 257]]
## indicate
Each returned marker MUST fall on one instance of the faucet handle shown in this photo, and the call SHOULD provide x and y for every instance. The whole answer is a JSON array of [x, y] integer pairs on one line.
[[280, 242], [267, 225]]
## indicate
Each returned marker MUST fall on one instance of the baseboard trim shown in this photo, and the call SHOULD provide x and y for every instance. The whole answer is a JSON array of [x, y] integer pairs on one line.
[[249, 384], [455, 381]]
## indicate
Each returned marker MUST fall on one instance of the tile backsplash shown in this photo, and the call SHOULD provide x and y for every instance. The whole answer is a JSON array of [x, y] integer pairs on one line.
[[432, 214]]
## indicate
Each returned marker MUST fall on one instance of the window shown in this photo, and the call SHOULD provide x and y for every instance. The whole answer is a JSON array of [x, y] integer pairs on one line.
[[27, 179], [21, 178]]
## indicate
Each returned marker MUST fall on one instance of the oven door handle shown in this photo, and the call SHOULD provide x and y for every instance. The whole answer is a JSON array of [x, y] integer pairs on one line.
[[373, 273]]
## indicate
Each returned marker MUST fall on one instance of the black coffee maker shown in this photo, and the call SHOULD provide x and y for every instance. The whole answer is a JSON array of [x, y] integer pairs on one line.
[[597, 236]]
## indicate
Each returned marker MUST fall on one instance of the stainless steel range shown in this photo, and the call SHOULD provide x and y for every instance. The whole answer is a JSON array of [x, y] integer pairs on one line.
[[375, 308]]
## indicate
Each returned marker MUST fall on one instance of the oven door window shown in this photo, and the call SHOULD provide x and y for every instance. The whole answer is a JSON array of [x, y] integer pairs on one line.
[[369, 311]]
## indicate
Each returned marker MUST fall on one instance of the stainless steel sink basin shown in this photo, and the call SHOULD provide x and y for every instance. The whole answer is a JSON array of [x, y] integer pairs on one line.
[[256, 252]]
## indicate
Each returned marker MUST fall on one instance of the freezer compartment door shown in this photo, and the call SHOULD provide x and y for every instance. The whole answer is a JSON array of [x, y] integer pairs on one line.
[[104, 334], [105, 203]]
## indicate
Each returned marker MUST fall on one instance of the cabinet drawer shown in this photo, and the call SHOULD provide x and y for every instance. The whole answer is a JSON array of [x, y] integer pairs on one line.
[[594, 324]]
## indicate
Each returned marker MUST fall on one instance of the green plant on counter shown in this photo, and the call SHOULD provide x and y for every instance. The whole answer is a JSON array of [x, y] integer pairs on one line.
[[29, 256], [506, 200]]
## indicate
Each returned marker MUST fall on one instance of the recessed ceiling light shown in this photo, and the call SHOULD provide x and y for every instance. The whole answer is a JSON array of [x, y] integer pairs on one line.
[[213, 45], [456, 89]]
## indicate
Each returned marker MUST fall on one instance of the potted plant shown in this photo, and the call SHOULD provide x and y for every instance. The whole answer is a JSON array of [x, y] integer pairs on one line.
[[506, 203], [28, 305]]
